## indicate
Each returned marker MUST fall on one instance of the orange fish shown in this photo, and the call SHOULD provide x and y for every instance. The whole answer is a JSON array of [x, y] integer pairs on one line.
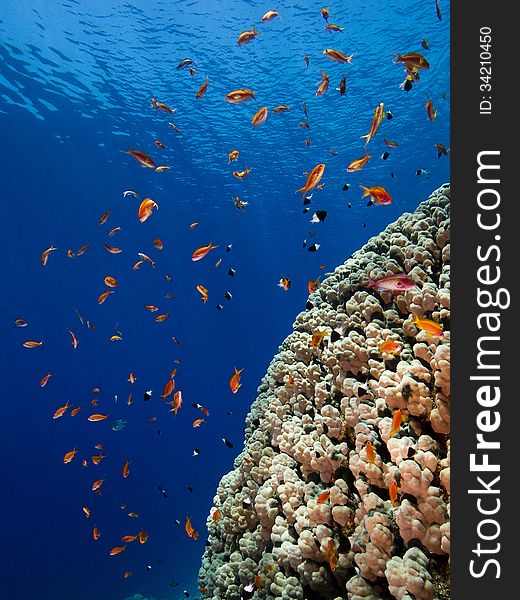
[[97, 484], [370, 452], [391, 347], [233, 155], [159, 144], [358, 164], [151, 307], [216, 515], [312, 180], [201, 252], [94, 402], [158, 244], [104, 217], [102, 297], [132, 378], [45, 255], [260, 116], [83, 249], [143, 537], [204, 293], [147, 259], [162, 318], [323, 497], [129, 399], [61, 411], [290, 381], [281, 108], [177, 402], [198, 422], [74, 341], [241, 174], [317, 339], [45, 379], [86, 510], [111, 282], [337, 56], [162, 106], [98, 458], [238, 96], [393, 490], [376, 121], [168, 388], [75, 411], [432, 328], [189, 529], [259, 582], [397, 419], [390, 144], [432, 114], [284, 283], [128, 538], [325, 13], [69, 456], [97, 417], [96, 534], [378, 194], [126, 469], [234, 382], [117, 550], [269, 16], [202, 90], [32, 344], [143, 159], [332, 554], [145, 209], [323, 85], [137, 265], [246, 36], [112, 249], [312, 286], [127, 574], [412, 61]]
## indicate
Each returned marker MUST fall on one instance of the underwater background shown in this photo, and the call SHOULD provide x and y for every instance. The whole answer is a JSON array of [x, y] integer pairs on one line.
[[76, 82]]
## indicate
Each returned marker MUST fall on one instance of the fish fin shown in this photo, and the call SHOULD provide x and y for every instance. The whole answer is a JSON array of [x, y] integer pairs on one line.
[[366, 190]]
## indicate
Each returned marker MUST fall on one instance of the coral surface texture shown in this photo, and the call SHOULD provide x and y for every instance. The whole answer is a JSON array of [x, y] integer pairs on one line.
[[343, 487]]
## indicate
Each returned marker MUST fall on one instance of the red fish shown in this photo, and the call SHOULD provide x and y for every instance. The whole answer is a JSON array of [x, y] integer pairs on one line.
[[234, 382], [201, 252], [142, 158], [313, 179], [378, 194]]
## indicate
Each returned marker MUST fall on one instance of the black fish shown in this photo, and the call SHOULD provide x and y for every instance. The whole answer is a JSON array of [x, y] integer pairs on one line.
[[306, 60], [369, 203], [231, 272], [306, 210], [176, 340], [320, 215], [306, 201], [438, 9], [349, 205], [163, 491], [389, 115], [385, 155], [219, 307], [425, 45], [184, 63], [313, 247], [227, 442], [335, 336], [343, 85], [346, 186], [147, 395], [228, 296], [190, 489], [196, 452], [393, 175], [407, 85], [229, 247]]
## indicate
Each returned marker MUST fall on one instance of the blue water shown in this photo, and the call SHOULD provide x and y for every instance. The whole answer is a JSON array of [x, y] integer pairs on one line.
[[76, 79]]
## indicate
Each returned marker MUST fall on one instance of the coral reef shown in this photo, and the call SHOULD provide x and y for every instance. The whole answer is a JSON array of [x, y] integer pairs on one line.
[[326, 501]]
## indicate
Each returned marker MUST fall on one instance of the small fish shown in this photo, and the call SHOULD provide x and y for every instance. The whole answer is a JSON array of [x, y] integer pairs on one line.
[[189, 529], [376, 122], [159, 144], [162, 318], [110, 281], [432, 114], [104, 217], [202, 90], [234, 382], [240, 204], [75, 411], [269, 16], [312, 286], [201, 252], [227, 442], [390, 144], [162, 106], [232, 272], [306, 61], [168, 388], [96, 459], [422, 173], [130, 193], [20, 323], [246, 36], [118, 424], [284, 283], [233, 155], [216, 515], [128, 539], [133, 515], [325, 14], [395, 283], [390, 347], [318, 338], [195, 224], [312, 180], [142, 158], [61, 411], [333, 27], [393, 491], [96, 534], [413, 61], [281, 108], [117, 550], [358, 164], [319, 216], [204, 293], [323, 497], [331, 554], [385, 155], [44, 380], [432, 328], [304, 125], [438, 9], [228, 295], [127, 574], [83, 249], [177, 402], [102, 297], [97, 484], [184, 63], [424, 44], [69, 456], [441, 150], [337, 56], [112, 249], [378, 195], [175, 128], [162, 168], [260, 116], [238, 96], [323, 85], [343, 86], [86, 510], [126, 469], [198, 422], [44, 257], [397, 420], [147, 259], [97, 417], [145, 209], [143, 537], [241, 174]]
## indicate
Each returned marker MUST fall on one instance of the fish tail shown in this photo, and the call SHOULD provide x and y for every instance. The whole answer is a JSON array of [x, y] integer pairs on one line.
[[398, 57], [366, 191], [371, 282]]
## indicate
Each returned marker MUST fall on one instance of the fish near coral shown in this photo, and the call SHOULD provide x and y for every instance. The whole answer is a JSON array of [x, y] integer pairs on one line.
[[432, 328], [395, 283], [378, 195], [323, 497], [390, 347]]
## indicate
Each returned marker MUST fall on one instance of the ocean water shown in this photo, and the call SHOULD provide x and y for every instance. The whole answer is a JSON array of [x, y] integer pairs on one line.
[[76, 81]]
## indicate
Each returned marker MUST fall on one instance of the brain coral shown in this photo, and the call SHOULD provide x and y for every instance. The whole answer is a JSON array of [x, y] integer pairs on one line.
[[307, 511]]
